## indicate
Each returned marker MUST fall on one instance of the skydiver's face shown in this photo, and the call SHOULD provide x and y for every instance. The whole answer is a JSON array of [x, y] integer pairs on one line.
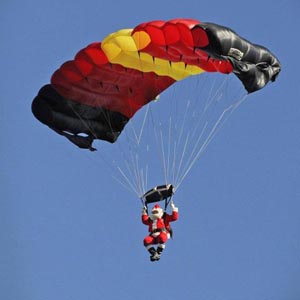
[[156, 213]]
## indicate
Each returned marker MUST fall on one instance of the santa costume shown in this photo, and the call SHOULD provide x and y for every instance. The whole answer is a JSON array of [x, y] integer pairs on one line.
[[159, 228]]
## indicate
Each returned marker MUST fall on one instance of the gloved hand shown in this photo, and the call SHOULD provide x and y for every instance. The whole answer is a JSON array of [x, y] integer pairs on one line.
[[173, 206], [144, 210]]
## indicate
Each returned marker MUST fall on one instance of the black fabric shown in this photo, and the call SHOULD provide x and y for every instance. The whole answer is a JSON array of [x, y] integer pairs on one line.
[[72, 119], [159, 193], [253, 64]]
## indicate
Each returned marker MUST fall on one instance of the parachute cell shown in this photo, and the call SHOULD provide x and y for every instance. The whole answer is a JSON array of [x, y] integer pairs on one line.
[[108, 82]]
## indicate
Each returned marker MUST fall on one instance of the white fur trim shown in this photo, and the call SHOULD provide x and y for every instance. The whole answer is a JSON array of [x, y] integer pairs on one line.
[[175, 209], [154, 224], [163, 246], [155, 234]]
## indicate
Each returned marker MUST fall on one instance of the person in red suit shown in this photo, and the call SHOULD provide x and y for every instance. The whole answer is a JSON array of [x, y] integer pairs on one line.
[[159, 228]]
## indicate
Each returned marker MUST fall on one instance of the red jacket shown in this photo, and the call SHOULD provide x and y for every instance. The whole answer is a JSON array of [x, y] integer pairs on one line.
[[160, 223]]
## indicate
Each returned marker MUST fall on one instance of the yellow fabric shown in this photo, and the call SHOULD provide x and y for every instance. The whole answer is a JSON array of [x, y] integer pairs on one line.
[[142, 39], [123, 48]]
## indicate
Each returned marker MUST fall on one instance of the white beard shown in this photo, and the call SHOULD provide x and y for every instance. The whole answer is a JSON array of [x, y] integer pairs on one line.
[[157, 215], [153, 217]]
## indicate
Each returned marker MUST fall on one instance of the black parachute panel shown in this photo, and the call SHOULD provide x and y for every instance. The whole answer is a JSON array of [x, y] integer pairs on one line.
[[253, 64], [72, 119]]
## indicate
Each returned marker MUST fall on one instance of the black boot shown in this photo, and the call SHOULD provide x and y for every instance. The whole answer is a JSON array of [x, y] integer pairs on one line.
[[159, 252], [153, 253]]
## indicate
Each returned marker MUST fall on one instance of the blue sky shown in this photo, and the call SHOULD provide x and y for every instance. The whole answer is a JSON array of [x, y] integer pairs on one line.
[[68, 230]]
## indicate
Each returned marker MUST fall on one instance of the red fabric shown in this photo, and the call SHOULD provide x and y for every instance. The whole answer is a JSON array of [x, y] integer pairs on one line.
[[160, 223], [163, 222], [92, 80], [179, 40], [161, 239]]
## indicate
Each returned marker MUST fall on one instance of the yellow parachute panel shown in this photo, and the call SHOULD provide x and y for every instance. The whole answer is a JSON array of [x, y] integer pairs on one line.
[[123, 48]]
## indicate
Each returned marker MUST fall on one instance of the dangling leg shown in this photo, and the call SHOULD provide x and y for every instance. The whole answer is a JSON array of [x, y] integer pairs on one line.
[[162, 239], [148, 243], [153, 253], [160, 249]]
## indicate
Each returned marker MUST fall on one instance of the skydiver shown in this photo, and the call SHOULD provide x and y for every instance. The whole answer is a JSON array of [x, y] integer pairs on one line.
[[159, 227]]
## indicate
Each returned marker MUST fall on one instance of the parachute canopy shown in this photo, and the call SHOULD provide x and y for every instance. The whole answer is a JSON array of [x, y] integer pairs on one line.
[[95, 95]]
